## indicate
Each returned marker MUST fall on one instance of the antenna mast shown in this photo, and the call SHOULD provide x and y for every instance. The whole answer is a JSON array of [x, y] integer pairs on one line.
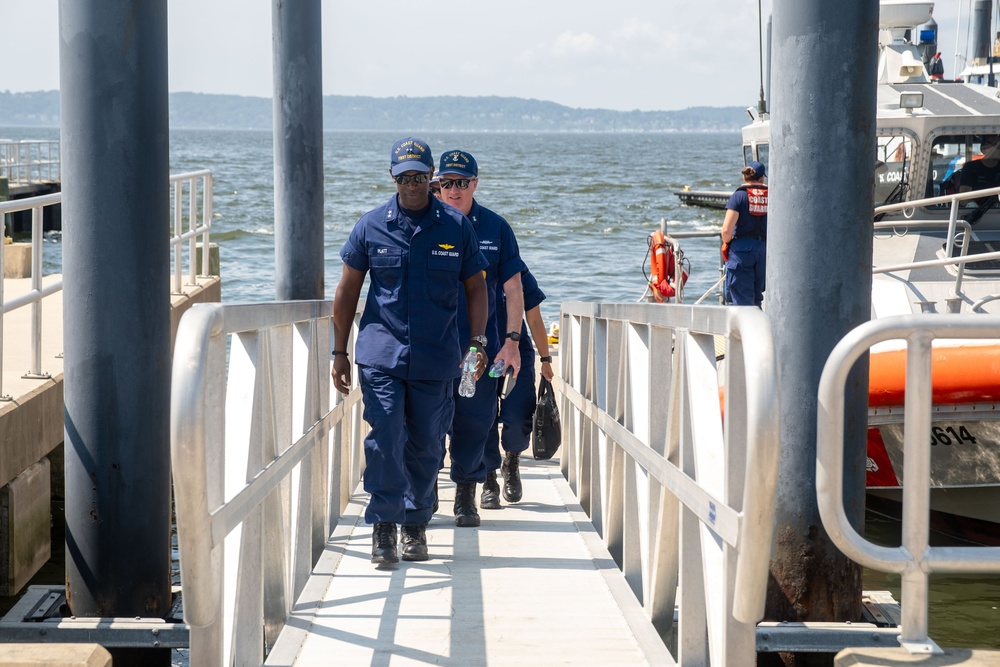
[[761, 104]]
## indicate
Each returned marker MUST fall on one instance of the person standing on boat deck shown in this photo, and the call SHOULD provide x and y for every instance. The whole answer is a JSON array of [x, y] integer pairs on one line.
[[937, 68], [458, 173], [423, 258], [984, 172], [745, 232], [517, 409]]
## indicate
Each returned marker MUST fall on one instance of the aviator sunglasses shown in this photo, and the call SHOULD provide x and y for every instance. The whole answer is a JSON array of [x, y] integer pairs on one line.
[[405, 179], [460, 183]]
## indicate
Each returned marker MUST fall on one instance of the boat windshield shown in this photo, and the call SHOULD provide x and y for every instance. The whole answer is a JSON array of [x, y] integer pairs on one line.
[[950, 170], [761, 156], [892, 168]]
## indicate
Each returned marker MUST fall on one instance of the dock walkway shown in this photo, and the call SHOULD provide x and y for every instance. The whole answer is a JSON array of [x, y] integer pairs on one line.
[[534, 585]]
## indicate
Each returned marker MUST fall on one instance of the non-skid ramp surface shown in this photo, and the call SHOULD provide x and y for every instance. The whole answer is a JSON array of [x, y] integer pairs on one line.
[[532, 586]]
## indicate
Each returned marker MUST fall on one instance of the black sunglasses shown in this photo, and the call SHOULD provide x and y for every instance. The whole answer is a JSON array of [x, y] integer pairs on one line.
[[405, 179], [460, 183]]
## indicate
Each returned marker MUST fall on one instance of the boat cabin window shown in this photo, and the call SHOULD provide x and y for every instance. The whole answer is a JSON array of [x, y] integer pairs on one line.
[[761, 156], [892, 168], [949, 171]]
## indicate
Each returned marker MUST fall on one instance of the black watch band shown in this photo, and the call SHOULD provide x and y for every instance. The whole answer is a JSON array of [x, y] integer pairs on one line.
[[545, 360], [514, 335]]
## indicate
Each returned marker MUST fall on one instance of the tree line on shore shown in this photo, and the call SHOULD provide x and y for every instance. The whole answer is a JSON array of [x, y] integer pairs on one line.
[[340, 112]]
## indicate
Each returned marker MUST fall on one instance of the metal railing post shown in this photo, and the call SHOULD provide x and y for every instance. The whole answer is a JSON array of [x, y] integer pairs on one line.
[[206, 221], [914, 559], [192, 226], [35, 373], [178, 231]]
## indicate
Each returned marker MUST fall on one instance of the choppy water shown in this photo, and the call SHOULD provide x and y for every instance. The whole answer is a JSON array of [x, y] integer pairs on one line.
[[582, 206]]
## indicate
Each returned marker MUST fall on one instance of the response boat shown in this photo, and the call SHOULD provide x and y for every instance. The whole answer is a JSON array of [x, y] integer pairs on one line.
[[936, 248]]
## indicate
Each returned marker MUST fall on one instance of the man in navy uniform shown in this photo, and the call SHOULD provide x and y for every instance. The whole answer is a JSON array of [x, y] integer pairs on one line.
[[517, 408], [459, 176], [424, 259]]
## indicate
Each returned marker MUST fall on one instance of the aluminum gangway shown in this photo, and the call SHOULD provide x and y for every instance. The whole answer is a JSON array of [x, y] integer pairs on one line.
[[641, 547]]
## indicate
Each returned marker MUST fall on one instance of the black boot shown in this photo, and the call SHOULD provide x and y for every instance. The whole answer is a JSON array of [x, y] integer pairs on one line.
[[466, 514], [384, 543], [490, 500], [415, 542], [512, 490]]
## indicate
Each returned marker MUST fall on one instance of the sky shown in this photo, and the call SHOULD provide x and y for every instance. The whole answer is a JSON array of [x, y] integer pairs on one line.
[[624, 55]]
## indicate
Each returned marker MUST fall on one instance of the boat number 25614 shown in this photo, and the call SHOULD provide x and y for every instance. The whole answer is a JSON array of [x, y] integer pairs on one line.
[[947, 435]]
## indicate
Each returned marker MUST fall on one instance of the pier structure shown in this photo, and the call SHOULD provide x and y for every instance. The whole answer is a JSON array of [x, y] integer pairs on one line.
[[29, 168], [31, 365]]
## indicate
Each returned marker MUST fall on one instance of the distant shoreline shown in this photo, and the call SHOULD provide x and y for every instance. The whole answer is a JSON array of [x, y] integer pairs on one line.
[[199, 111]]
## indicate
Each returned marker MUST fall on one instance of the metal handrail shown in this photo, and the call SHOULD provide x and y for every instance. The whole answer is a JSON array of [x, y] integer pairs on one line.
[[915, 560], [30, 160], [631, 453], [908, 208], [199, 224], [37, 293], [250, 452], [671, 237]]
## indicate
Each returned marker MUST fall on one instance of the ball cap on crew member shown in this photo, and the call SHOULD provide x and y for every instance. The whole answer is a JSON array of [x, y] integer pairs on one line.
[[459, 163], [411, 154], [758, 168]]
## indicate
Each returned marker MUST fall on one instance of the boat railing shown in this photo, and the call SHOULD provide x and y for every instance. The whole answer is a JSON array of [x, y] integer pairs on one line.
[[30, 161], [193, 192], [672, 239], [191, 201], [658, 471], [915, 560], [959, 232], [265, 457]]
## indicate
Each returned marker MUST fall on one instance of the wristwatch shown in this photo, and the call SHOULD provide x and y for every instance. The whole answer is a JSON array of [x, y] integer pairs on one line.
[[480, 340], [514, 335]]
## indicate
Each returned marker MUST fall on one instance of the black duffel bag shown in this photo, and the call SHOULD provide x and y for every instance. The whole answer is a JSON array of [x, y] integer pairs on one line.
[[546, 432]]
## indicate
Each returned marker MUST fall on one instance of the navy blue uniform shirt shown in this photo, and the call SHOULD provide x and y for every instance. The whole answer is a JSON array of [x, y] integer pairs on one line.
[[533, 296], [409, 327], [499, 245], [746, 224]]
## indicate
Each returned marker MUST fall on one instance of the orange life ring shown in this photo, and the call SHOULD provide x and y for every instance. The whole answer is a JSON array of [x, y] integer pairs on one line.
[[662, 265]]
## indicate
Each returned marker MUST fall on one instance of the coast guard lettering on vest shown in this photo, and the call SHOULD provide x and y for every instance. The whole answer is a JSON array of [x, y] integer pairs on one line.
[[757, 198]]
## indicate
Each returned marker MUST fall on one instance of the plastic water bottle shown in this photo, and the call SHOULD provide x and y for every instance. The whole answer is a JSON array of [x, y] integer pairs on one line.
[[497, 369], [467, 387]]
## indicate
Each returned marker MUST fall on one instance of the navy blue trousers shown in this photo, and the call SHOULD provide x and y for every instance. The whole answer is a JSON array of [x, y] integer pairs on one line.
[[404, 448], [469, 430], [745, 271], [517, 412]]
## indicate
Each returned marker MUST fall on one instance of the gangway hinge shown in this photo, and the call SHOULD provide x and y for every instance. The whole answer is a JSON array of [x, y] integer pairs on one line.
[[37, 618]]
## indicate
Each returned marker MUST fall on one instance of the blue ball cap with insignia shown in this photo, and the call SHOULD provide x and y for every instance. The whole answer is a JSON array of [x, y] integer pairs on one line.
[[458, 162], [411, 154]]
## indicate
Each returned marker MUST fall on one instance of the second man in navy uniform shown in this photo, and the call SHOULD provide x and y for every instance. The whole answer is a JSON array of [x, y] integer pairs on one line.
[[458, 174], [423, 259]]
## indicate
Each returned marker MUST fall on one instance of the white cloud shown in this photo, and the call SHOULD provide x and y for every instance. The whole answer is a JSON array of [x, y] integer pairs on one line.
[[569, 45]]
